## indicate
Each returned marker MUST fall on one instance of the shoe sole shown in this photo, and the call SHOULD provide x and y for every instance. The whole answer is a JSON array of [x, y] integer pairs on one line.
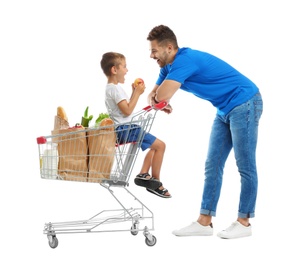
[[192, 235], [150, 184], [234, 237]]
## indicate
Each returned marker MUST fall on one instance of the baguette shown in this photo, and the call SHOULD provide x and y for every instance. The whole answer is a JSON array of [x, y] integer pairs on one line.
[[62, 113]]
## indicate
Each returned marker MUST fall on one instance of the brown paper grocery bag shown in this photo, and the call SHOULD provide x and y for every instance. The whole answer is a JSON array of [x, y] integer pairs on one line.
[[72, 150], [101, 151], [60, 123]]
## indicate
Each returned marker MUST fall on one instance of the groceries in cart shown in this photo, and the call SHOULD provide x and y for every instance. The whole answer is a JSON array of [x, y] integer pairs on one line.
[[79, 152], [90, 154]]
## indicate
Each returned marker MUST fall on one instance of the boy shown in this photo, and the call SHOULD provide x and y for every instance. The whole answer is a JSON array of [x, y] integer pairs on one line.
[[120, 109]]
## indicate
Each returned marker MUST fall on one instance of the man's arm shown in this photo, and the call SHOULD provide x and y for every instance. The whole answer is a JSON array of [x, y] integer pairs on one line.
[[166, 90], [151, 96]]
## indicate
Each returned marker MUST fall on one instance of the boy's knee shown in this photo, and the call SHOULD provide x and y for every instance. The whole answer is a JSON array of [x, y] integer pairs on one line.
[[162, 145]]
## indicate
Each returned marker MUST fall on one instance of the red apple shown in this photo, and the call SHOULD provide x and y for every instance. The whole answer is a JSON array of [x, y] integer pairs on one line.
[[138, 81]]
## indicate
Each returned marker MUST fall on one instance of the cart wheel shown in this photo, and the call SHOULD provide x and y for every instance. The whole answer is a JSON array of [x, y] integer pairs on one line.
[[54, 243], [151, 242], [134, 232]]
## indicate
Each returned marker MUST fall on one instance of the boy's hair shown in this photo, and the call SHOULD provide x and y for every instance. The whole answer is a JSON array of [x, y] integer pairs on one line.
[[163, 35], [110, 59]]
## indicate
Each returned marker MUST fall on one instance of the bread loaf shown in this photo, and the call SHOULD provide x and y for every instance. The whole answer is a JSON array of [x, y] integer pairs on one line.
[[62, 113], [106, 121]]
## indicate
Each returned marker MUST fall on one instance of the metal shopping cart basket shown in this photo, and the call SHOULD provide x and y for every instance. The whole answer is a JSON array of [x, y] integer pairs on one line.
[[97, 155]]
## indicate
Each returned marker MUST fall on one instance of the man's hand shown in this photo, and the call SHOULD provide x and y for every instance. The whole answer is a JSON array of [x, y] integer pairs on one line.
[[168, 109], [151, 99]]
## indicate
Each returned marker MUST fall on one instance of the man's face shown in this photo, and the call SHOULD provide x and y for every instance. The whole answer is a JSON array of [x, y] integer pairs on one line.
[[159, 53]]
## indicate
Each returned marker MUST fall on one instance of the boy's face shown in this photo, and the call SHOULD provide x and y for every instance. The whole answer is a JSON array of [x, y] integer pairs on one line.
[[121, 71]]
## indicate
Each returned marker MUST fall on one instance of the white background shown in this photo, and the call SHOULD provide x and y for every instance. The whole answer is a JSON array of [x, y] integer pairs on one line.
[[49, 57]]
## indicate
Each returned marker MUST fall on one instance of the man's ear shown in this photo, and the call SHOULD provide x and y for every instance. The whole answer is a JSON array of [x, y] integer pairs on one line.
[[170, 47]]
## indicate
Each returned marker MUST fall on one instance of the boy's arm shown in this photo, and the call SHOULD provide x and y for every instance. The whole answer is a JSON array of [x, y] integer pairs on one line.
[[127, 107]]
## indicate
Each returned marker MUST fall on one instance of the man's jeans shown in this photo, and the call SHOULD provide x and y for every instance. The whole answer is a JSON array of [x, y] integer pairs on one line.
[[238, 130]]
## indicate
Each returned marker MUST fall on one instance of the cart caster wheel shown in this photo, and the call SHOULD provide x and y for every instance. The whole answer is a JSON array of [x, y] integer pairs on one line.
[[54, 242], [134, 232], [151, 242]]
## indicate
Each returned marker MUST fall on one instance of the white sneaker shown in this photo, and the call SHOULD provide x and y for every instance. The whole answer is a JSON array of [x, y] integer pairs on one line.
[[236, 230], [195, 229]]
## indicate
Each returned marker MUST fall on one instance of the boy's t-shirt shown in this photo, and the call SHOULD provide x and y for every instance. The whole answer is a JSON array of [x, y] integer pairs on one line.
[[113, 95]]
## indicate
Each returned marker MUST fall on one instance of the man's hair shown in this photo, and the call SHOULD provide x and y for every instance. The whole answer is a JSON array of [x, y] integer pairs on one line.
[[163, 35], [110, 59]]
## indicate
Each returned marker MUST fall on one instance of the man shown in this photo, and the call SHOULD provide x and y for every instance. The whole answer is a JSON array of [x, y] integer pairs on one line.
[[239, 107]]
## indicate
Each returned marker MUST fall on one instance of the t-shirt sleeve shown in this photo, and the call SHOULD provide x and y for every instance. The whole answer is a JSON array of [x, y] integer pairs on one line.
[[162, 75], [119, 94], [181, 69]]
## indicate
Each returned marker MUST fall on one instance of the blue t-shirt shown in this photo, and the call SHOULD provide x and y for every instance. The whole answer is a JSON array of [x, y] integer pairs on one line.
[[209, 78]]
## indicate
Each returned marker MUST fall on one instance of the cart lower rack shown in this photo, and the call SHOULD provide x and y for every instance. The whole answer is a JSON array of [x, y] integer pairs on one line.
[[104, 155]]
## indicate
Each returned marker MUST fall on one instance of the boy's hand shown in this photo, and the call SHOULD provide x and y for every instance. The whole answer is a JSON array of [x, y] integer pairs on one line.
[[139, 88], [137, 82]]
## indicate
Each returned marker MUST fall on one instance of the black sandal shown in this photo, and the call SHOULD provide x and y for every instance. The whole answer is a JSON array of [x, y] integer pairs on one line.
[[151, 183], [160, 193], [143, 176]]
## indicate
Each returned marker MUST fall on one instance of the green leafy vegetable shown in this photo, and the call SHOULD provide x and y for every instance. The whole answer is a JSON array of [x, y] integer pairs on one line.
[[101, 117]]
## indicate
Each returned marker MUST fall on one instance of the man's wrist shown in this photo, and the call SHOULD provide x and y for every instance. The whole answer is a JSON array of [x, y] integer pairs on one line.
[[155, 100]]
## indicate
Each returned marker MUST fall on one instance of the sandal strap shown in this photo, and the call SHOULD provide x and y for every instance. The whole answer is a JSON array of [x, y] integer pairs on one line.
[[161, 193], [164, 191], [143, 175], [154, 179]]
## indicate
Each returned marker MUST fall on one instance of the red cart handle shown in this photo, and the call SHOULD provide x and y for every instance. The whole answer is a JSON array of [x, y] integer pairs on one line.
[[158, 106], [41, 140]]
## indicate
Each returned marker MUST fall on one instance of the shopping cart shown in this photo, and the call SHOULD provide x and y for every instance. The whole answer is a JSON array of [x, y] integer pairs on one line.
[[97, 155]]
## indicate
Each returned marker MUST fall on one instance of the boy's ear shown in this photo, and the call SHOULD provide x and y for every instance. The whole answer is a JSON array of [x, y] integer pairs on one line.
[[113, 70]]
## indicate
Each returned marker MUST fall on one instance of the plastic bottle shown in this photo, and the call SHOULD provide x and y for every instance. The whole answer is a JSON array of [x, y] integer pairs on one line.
[[50, 162]]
